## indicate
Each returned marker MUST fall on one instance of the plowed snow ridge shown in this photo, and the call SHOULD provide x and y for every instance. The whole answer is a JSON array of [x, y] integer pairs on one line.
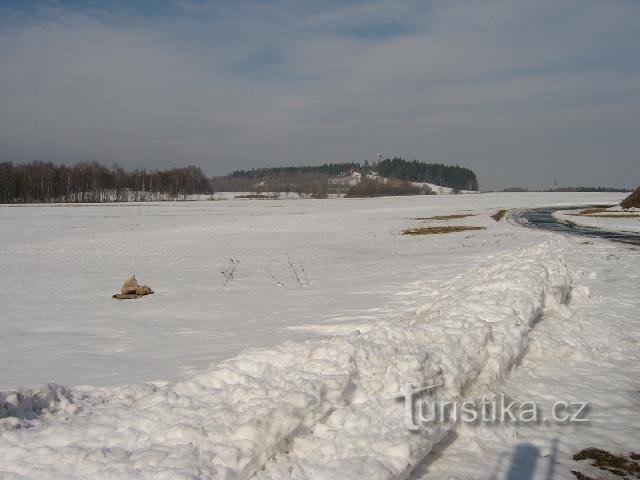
[[322, 408]]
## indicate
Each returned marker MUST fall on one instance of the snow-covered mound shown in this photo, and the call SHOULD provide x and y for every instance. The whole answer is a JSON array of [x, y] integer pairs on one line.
[[443, 190], [322, 408]]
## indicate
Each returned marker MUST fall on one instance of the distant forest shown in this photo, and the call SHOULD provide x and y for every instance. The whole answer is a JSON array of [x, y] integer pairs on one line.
[[569, 189], [91, 182]]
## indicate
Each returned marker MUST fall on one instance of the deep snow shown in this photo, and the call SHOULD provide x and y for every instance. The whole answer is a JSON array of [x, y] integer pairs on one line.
[[455, 308]]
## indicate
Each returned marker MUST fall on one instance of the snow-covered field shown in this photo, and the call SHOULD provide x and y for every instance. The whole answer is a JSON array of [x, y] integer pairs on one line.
[[290, 370]]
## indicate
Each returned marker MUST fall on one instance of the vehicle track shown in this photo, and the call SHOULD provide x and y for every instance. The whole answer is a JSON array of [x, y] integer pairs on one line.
[[542, 218]]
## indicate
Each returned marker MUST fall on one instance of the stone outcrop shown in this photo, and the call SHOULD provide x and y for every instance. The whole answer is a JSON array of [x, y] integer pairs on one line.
[[131, 289]]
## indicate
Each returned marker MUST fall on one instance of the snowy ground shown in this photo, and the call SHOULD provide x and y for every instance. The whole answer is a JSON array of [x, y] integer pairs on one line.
[[314, 397], [614, 219]]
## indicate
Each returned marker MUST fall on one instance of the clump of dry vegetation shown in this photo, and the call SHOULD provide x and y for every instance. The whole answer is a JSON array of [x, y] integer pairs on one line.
[[499, 215], [591, 211], [581, 476], [447, 217], [379, 187], [229, 271], [438, 230], [616, 464], [603, 213], [632, 201]]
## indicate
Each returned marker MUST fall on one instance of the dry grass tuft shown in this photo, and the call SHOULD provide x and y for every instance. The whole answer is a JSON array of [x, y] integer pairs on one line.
[[438, 230], [447, 217], [499, 215]]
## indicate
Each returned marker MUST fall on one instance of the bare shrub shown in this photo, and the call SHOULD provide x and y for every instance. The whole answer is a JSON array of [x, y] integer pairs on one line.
[[298, 272], [378, 187], [273, 277], [229, 271]]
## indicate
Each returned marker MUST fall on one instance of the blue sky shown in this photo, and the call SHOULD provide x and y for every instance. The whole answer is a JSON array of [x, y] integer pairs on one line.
[[519, 91]]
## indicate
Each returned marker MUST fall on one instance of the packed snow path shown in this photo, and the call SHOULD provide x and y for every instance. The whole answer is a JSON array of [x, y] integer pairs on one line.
[[321, 408]]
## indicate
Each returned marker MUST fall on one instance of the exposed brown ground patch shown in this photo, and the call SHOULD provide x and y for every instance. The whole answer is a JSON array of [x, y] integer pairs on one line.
[[447, 217], [616, 464], [632, 200], [499, 215], [590, 211], [438, 230]]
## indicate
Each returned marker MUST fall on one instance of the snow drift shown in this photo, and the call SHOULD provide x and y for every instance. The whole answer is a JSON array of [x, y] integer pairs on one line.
[[317, 409]]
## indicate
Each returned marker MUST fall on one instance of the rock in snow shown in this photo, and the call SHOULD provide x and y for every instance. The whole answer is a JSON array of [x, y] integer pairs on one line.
[[131, 289]]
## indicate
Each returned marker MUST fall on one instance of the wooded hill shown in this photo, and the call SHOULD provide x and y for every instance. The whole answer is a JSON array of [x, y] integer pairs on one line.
[[458, 178]]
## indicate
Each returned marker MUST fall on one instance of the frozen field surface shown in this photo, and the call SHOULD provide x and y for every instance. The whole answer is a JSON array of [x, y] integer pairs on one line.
[[290, 370]]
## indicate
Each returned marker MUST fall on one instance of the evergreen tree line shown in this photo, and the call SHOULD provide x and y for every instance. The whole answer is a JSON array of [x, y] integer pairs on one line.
[[302, 181], [328, 169], [92, 182], [458, 178], [588, 189]]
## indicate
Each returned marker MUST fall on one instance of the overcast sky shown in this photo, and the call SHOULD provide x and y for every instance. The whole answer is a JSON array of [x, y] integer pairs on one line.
[[519, 91]]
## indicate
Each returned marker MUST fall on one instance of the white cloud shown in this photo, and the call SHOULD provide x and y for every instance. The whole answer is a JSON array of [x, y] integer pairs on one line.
[[508, 88]]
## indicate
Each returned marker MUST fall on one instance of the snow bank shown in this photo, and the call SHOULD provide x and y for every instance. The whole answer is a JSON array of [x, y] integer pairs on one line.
[[321, 408]]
